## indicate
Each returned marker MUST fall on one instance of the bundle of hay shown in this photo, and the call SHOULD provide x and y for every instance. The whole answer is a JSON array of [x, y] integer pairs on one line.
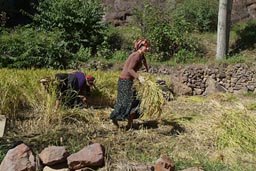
[[151, 98]]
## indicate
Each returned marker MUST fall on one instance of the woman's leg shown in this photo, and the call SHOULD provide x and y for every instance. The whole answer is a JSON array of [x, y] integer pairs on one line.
[[115, 122], [130, 120]]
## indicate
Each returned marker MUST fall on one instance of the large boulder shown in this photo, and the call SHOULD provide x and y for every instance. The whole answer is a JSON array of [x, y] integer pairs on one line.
[[164, 163], [19, 158], [120, 12], [53, 155], [89, 156]]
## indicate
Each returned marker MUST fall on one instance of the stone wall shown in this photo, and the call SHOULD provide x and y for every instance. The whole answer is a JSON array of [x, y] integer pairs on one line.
[[206, 79], [195, 79], [119, 12]]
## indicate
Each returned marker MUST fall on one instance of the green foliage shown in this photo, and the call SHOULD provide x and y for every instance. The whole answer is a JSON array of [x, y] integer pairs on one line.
[[121, 38], [115, 38], [251, 106], [3, 18], [246, 36], [80, 21], [118, 43], [200, 161], [83, 54], [238, 128], [27, 48], [3, 151], [120, 55], [201, 14], [170, 36], [233, 59], [104, 50], [65, 33], [183, 56]]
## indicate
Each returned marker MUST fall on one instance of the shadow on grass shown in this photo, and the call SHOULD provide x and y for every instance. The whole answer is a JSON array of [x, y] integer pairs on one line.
[[151, 124], [176, 128]]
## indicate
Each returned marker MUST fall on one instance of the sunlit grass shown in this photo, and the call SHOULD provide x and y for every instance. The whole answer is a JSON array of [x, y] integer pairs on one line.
[[214, 132]]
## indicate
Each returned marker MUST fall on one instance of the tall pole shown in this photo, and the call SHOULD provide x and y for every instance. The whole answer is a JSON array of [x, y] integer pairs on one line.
[[223, 31]]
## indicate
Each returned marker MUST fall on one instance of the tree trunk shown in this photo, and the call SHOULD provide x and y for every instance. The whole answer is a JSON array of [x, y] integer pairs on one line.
[[224, 19]]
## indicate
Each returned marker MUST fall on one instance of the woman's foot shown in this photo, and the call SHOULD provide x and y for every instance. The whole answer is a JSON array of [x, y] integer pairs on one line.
[[127, 128], [130, 121], [115, 122]]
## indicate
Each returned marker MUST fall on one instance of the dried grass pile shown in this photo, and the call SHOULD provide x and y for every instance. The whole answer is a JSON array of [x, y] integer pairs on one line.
[[151, 98]]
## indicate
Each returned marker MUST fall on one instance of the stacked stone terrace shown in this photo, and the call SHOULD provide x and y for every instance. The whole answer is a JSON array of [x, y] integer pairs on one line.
[[200, 79]]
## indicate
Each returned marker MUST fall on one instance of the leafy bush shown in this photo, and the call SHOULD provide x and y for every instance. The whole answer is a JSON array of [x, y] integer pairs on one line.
[[104, 50], [3, 152], [27, 48], [80, 21], [118, 43], [170, 36], [83, 54], [3, 18], [246, 36], [184, 56], [120, 55], [122, 38], [233, 59], [202, 14]]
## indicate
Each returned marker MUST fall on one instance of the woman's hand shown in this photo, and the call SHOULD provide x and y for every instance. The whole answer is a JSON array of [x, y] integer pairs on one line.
[[84, 100], [141, 79]]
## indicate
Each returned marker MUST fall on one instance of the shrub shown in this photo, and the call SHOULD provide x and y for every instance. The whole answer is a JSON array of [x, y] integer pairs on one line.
[[83, 54], [104, 50], [3, 18], [120, 55], [202, 14], [170, 36], [118, 42], [27, 48], [184, 56], [122, 38], [80, 21], [246, 36]]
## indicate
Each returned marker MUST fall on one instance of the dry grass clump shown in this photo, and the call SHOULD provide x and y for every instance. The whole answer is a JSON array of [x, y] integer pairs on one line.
[[226, 134], [105, 93], [20, 90], [239, 131], [151, 98]]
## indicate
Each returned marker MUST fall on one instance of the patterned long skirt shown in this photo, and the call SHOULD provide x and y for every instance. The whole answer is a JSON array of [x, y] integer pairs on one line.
[[126, 101]]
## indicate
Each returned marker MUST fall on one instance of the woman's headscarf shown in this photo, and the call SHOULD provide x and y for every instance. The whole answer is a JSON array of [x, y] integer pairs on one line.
[[90, 79], [137, 45], [141, 42]]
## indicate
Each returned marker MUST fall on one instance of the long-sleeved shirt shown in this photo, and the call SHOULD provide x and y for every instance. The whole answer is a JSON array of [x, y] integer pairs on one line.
[[131, 66], [80, 78]]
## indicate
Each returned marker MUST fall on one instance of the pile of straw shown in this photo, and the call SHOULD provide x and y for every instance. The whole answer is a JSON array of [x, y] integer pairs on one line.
[[151, 98]]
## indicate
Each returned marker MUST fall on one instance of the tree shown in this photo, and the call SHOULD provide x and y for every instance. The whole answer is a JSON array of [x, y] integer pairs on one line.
[[80, 21], [224, 20]]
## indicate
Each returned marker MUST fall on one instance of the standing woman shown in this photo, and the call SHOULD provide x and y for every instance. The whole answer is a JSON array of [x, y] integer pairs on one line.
[[127, 107]]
